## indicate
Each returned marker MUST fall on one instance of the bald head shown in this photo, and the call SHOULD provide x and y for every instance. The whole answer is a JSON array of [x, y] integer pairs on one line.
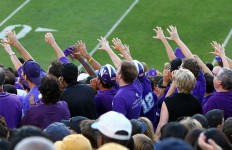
[[2, 76]]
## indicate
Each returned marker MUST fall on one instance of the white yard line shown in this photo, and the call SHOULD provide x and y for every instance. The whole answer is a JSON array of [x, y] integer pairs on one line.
[[113, 27], [224, 43], [14, 12]]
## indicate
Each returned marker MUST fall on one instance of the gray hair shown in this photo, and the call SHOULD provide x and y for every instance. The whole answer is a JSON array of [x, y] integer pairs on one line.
[[35, 143], [225, 76]]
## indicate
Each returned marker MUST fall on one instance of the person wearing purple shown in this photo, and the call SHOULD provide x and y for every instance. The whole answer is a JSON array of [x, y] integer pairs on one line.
[[148, 97], [29, 72], [222, 99], [10, 105], [50, 109], [128, 99], [106, 83]]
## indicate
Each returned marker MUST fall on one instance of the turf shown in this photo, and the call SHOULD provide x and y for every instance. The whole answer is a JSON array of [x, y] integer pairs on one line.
[[198, 23]]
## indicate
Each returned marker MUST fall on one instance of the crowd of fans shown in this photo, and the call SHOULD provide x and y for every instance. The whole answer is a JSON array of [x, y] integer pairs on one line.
[[126, 106]]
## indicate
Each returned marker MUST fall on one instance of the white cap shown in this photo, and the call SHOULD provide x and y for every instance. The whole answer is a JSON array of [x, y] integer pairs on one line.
[[82, 76], [112, 122]]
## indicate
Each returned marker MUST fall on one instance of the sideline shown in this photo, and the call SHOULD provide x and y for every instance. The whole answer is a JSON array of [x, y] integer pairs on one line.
[[224, 43], [14, 12], [113, 27]]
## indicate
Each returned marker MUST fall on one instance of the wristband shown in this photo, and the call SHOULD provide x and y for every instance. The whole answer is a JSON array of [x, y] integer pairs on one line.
[[90, 59], [12, 53]]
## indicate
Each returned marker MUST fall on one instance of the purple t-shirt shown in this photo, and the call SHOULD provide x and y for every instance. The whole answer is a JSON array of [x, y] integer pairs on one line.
[[148, 100], [34, 91], [103, 100], [10, 109], [26, 100], [128, 100], [220, 100], [200, 87], [206, 98], [43, 115]]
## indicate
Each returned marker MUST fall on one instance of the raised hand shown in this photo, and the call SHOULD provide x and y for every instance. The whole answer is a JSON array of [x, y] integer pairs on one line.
[[12, 39], [159, 33], [81, 48], [6, 46], [49, 38], [104, 44], [118, 44], [219, 49], [173, 33]]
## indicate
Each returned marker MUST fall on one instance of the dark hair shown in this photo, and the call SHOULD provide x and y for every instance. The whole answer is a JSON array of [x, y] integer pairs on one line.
[[10, 89], [50, 89], [128, 71], [228, 129], [2, 76], [192, 65], [175, 64], [24, 132], [202, 119], [215, 117], [89, 132], [192, 136], [69, 72], [225, 76], [209, 65], [154, 81], [219, 137], [106, 85], [173, 129], [55, 68], [209, 83], [9, 77]]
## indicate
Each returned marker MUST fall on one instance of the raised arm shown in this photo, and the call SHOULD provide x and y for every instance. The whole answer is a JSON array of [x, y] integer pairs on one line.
[[123, 49], [12, 55], [160, 36], [76, 55], [83, 52], [204, 68], [219, 50], [229, 62], [12, 40], [175, 37], [105, 46], [49, 38]]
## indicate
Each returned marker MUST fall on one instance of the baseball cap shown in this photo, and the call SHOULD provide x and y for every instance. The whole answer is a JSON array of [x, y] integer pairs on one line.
[[107, 74], [74, 123], [215, 117], [73, 142], [82, 77], [175, 64], [110, 146], [138, 126], [151, 72], [57, 131], [179, 53], [32, 70], [111, 123]]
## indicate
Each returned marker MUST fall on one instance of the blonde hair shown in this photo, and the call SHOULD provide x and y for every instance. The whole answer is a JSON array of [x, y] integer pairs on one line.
[[150, 130], [191, 124], [185, 80], [142, 142]]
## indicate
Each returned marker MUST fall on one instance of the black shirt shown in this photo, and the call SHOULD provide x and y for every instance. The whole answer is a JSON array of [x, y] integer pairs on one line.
[[182, 105], [80, 99]]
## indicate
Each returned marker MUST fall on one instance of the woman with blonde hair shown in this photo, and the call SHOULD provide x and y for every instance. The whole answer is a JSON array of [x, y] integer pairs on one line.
[[179, 104]]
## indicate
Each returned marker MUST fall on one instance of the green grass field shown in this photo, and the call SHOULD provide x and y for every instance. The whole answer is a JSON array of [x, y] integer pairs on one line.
[[198, 23]]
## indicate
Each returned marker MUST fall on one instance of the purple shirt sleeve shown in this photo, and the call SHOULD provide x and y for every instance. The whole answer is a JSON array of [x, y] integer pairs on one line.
[[119, 105], [64, 60]]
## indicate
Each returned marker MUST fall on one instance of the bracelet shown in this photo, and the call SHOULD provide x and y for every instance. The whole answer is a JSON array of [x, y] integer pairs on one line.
[[90, 59]]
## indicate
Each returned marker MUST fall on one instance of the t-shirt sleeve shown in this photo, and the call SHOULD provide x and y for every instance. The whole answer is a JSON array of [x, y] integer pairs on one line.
[[209, 105], [119, 105]]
